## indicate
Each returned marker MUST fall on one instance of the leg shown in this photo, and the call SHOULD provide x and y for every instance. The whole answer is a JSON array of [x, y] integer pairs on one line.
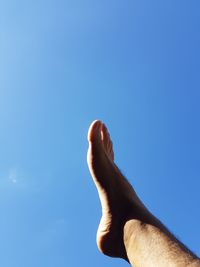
[[127, 229]]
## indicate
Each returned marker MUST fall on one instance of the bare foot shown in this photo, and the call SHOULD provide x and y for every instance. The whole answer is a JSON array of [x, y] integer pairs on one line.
[[118, 199]]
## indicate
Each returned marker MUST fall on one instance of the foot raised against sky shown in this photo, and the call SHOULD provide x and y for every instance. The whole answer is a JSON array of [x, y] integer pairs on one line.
[[118, 199]]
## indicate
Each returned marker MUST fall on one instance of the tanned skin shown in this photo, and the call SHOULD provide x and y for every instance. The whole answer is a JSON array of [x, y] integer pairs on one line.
[[127, 228]]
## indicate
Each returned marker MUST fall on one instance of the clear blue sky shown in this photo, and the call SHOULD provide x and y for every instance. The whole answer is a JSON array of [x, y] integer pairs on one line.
[[133, 64]]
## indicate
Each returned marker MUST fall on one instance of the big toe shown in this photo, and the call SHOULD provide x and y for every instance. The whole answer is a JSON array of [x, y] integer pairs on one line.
[[94, 132]]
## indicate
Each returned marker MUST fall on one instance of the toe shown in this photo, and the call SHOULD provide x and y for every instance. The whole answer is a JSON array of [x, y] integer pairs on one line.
[[94, 132], [110, 150], [105, 136]]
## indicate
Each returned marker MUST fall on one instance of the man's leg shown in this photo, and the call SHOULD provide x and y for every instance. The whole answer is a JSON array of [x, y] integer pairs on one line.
[[127, 229]]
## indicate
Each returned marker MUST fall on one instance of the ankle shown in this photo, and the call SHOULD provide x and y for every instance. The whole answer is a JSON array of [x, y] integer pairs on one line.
[[137, 225]]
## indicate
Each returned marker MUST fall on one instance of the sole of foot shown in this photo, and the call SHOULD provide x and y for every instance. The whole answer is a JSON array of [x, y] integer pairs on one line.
[[118, 199]]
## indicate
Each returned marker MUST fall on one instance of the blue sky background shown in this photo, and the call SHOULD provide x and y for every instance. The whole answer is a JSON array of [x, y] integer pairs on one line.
[[133, 64]]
